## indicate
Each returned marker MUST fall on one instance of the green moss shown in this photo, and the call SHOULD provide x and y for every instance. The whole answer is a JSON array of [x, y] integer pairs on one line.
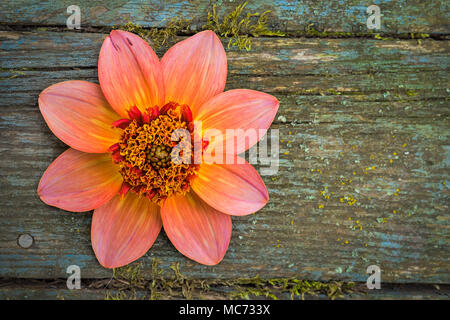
[[419, 35], [311, 32], [379, 37], [412, 93], [132, 274], [160, 37], [129, 283], [176, 285], [273, 288], [121, 295], [239, 27], [126, 281], [13, 73]]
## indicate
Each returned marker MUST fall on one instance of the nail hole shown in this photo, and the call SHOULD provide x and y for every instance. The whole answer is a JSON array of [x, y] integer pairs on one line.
[[25, 241]]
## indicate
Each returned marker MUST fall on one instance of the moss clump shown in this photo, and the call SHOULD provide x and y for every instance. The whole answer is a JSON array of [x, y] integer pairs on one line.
[[419, 35], [237, 26], [130, 274], [379, 37], [124, 282], [121, 295], [273, 288], [160, 37], [240, 28], [129, 283], [176, 286]]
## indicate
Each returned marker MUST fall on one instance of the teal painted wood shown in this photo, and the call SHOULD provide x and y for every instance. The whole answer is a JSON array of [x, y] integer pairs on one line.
[[346, 107], [403, 16]]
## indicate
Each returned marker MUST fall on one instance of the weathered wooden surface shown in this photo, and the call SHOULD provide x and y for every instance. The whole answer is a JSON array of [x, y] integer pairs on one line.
[[347, 108], [402, 16], [52, 291]]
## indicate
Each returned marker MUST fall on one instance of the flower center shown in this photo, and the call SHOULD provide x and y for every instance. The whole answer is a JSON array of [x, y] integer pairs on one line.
[[144, 152]]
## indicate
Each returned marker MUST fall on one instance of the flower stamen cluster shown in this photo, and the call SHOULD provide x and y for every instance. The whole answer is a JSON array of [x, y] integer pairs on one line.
[[145, 150]]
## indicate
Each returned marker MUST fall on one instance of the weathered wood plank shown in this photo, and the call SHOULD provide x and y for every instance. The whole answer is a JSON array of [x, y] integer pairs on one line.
[[292, 67], [402, 16], [382, 97], [287, 237], [52, 292]]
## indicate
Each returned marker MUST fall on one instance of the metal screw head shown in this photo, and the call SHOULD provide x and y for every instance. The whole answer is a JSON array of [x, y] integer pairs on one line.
[[25, 240]]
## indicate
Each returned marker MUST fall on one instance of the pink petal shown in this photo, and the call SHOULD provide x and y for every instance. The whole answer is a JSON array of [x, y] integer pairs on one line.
[[236, 189], [124, 229], [79, 115], [129, 73], [78, 181], [195, 70], [197, 230], [238, 109]]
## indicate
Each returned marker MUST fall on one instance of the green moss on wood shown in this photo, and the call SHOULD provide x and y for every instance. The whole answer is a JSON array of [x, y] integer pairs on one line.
[[272, 288], [13, 73], [312, 32], [236, 26], [128, 281], [160, 37], [239, 27]]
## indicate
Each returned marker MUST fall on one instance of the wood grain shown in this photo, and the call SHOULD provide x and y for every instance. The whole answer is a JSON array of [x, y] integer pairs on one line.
[[51, 291], [403, 16], [347, 108]]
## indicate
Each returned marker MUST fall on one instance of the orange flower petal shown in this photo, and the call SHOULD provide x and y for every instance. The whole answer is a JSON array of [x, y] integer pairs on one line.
[[197, 230], [129, 73], [79, 115], [238, 109], [78, 181], [124, 229], [195, 70], [236, 189]]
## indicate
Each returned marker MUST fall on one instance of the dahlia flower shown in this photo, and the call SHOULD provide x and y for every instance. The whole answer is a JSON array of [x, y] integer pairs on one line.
[[119, 161]]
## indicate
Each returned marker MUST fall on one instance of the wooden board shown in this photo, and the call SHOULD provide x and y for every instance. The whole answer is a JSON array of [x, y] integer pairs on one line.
[[402, 16], [51, 291], [346, 109]]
